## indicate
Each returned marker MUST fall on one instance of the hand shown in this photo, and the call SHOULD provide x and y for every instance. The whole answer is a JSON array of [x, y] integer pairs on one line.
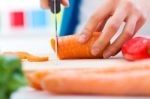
[[114, 12], [45, 3]]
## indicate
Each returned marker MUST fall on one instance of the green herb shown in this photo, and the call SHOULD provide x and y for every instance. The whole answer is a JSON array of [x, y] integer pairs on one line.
[[11, 75]]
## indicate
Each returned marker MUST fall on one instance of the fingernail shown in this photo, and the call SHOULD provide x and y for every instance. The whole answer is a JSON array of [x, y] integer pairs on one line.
[[95, 51], [67, 2], [82, 38], [107, 54]]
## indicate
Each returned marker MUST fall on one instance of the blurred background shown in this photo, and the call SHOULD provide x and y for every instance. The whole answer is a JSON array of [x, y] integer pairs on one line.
[[22, 18], [25, 26]]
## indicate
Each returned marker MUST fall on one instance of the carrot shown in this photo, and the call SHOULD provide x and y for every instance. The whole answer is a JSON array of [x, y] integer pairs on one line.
[[22, 55], [37, 59], [133, 83], [28, 56], [53, 44], [34, 78], [115, 80], [70, 48]]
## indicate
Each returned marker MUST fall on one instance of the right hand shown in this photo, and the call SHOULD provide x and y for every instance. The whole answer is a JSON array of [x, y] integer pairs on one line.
[[45, 3]]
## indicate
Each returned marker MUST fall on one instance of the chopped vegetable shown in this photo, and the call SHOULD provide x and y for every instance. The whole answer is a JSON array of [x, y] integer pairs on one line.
[[69, 47], [37, 59]]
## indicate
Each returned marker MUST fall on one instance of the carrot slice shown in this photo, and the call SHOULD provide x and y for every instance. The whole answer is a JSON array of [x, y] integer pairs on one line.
[[22, 55], [37, 59], [69, 47]]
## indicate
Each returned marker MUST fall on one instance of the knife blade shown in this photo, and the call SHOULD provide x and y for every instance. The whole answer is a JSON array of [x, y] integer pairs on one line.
[[55, 9]]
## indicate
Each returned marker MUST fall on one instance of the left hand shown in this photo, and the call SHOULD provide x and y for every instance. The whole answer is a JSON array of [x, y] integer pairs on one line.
[[114, 12]]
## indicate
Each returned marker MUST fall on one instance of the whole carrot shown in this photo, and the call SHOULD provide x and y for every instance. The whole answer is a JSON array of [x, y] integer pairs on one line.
[[122, 69], [70, 48], [133, 83]]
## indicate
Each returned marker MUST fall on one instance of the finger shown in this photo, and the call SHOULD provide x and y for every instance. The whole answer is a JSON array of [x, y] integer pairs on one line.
[[139, 24], [65, 3], [44, 4], [101, 25], [99, 15], [110, 29], [128, 33]]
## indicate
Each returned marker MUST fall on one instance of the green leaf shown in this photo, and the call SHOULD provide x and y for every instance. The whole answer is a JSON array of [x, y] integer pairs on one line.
[[16, 81], [11, 75]]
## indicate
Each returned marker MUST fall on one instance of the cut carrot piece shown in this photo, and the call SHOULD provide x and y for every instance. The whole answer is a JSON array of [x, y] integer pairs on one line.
[[69, 47], [22, 55], [53, 44], [122, 84], [37, 59]]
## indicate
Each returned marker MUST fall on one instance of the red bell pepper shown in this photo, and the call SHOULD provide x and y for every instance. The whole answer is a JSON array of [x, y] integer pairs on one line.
[[136, 49]]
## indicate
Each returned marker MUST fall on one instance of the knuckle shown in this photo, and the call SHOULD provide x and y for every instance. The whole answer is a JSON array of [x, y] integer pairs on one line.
[[87, 31], [129, 32]]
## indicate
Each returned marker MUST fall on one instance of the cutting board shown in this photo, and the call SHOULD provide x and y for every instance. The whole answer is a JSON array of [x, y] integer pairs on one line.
[[81, 63]]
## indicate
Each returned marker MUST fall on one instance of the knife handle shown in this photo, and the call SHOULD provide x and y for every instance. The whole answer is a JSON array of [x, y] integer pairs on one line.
[[52, 6]]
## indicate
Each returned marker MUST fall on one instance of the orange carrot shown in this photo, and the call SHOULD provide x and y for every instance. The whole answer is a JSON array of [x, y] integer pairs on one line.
[[35, 78], [37, 59], [69, 47], [22, 55], [115, 80], [134, 83], [53, 44]]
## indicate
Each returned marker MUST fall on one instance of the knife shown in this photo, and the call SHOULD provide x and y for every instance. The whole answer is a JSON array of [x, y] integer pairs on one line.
[[55, 9]]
